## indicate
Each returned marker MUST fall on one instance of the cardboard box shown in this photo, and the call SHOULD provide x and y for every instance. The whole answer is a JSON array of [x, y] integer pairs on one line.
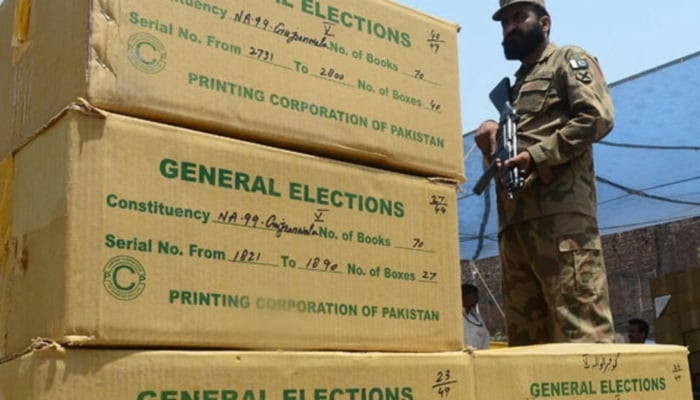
[[608, 371], [689, 279], [6, 78], [129, 232], [679, 328], [691, 339], [694, 361], [66, 374], [5, 127], [678, 302], [675, 282], [667, 329], [368, 81], [663, 285], [690, 320], [583, 371]]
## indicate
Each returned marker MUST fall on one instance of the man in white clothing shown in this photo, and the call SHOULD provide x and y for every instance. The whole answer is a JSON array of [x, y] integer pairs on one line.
[[476, 334]]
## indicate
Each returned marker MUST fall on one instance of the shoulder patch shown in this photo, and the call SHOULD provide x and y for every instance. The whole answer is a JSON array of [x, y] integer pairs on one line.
[[578, 63], [584, 76]]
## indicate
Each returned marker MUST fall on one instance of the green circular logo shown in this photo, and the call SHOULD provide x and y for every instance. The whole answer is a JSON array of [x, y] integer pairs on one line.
[[146, 52], [124, 278]]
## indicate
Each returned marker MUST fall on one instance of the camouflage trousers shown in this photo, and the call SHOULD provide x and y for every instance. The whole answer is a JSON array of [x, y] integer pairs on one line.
[[555, 287]]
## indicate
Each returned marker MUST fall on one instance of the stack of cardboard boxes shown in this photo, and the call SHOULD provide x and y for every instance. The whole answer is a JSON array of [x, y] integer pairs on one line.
[[677, 314], [192, 186], [221, 200]]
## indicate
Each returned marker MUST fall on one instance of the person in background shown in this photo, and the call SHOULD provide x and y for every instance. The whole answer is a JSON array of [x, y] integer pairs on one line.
[[637, 330], [553, 273], [476, 334]]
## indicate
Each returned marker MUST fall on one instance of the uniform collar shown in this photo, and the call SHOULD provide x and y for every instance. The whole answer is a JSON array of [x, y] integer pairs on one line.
[[548, 51]]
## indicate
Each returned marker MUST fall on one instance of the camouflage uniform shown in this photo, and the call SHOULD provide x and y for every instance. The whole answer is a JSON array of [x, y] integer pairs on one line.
[[554, 279]]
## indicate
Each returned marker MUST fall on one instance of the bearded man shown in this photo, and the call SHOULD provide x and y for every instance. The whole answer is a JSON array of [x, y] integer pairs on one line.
[[554, 281]]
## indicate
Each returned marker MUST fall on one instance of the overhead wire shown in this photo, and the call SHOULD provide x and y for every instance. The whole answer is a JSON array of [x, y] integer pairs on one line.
[[643, 193], [482, 236], [648, 146], [649, 188]]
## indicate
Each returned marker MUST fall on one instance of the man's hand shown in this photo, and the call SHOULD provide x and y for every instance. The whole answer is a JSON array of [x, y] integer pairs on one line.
[[523, 161], [486, 141], [486, 137]]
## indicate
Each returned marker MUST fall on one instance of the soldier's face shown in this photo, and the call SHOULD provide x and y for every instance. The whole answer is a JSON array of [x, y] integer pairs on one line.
[[523, 33]]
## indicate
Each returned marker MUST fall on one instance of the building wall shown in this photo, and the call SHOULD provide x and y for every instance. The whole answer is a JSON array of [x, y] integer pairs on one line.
[[632, 258]]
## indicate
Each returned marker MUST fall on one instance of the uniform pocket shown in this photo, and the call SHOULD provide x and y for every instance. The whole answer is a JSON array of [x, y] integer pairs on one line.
[[533, 93], [580, 241], [582, 253]]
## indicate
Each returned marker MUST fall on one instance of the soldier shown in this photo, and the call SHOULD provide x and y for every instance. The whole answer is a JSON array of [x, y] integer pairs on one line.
[[554, 282]]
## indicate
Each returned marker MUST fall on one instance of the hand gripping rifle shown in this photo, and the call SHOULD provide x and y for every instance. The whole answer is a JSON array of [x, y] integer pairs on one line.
[[507, 146]]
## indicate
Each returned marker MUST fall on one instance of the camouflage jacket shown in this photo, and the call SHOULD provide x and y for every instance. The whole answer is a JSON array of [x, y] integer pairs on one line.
[[564, 107]]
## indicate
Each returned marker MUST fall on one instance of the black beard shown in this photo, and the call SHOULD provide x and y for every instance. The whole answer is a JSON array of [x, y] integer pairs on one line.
[[518, 45]]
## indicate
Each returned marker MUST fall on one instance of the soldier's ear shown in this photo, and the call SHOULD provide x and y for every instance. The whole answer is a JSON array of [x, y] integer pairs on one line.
[[546, 22]]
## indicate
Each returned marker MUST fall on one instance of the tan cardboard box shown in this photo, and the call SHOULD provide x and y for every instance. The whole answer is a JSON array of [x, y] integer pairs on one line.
[[584, 371], [129, 232], [689, 279], [667, 329], [678, 302], [675, 282], [690, 319], [6, 77], [663, 285], [6, 90], [67, 374], [692, 339], [679, 328], [368, 81], [694, 361]]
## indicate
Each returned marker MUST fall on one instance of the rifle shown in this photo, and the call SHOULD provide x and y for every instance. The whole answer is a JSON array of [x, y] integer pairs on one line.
[[507, 146]]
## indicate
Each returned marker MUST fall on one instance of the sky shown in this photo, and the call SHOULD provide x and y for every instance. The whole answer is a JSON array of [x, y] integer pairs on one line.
[[626, 40]]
